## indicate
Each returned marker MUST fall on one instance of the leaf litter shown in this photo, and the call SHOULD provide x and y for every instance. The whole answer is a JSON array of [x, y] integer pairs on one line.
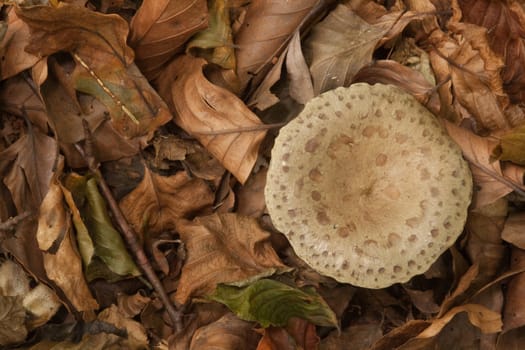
[[179, 102]]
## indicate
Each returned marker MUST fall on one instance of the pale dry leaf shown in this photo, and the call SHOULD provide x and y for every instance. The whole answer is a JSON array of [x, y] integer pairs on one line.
[[267, 27], [158, 202], [263, 98], [513, 230], [514, 310], [135, 331], [224, 248], [217, 118], [160, 28]]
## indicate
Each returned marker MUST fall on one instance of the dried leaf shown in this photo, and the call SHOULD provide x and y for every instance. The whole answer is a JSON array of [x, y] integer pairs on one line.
[[158, 202], [301, 87], [250, 197], [136, 337], [14, 58], [160, 28], [214, 116], [513, 145], [360, 336], [514, 311], [12, 320], [513, 230], [215, 43], [480, 316], [474, 73], [105, 67], [61, 261], [487, 173], [227, 333], [273, 303], [299, 334], [224, 248], [505, 22], [267, 27]]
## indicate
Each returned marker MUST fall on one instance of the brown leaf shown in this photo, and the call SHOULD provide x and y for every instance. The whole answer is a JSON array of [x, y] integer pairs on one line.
[[471, 73], [400, 335], [298, 334], [160, 28], [213, 115], [229, 332], [136, 337], [488, 176], [250, 197], [360, 336], [224, 248], [513, 230], [104, 64], [480, 316], [61, 259], [158, 202], [505, 22], [267, 27], [14, 58], [514, 311], [301, 87]]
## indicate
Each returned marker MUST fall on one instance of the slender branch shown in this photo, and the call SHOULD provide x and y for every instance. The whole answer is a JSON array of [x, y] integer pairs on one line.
[[128, 232], [12, 222]]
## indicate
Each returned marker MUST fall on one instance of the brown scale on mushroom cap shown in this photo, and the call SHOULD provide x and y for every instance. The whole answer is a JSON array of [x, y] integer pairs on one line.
[[367, 186]]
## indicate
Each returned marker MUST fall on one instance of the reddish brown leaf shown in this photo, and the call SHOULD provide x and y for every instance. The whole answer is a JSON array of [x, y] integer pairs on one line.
[[514, 312], [360, 336], [161, 27], [224, 248], [213, 115]]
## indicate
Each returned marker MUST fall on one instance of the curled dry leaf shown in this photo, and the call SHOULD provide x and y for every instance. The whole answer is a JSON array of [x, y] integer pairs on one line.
[[160, 28], [61, 260], [298, 334], [214, 116], [267, 27], [158, 202], [229, 332], [104, 64], [513, 230], [224, 248], [360, 336], [514, 311]]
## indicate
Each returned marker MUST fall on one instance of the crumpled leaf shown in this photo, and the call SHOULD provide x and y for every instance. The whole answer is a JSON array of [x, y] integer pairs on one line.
[[229, 332], [218, 119], [273, 303], [135, 332], [505, 22], [360, 336], [301, 86], [514, 311], [12, 320], [215, 43], [299, 334], [107, 244], [512, 145], [224, 248], [61, 261], [513, 230], [267, 27], [471, 73], [105, 67], [343, 43], [158, 202], [16, 36], [161, 27]]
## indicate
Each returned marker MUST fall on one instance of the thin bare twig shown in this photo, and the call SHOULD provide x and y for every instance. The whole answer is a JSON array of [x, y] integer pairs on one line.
[[12, 222], [128, 232]]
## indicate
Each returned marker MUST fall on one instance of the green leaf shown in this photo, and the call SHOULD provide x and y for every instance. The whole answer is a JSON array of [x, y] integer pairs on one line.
[[272, 303]]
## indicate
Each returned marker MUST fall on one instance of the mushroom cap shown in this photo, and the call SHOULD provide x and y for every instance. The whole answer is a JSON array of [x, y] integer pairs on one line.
[[367, 185]]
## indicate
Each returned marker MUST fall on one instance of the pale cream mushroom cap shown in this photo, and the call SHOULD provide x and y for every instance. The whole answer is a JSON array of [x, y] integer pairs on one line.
[[367, 186]]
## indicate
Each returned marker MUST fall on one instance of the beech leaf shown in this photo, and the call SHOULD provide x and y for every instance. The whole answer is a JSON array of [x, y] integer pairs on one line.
[[217, 118], [161, 27], [224, 248], [272, 303]]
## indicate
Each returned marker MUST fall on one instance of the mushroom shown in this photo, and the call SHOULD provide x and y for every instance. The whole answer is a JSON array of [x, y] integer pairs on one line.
[[367, 185]]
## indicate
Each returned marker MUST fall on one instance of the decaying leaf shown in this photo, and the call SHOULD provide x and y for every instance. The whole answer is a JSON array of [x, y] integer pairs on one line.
[[229, 332], [136, 334], [12, 319], [360, 336], [158, 202], [272, 303], [513, 230], [514, 311], [224, 248], [298, 334], [213, 115], [105, 67], [215, 43], [160, 28]]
